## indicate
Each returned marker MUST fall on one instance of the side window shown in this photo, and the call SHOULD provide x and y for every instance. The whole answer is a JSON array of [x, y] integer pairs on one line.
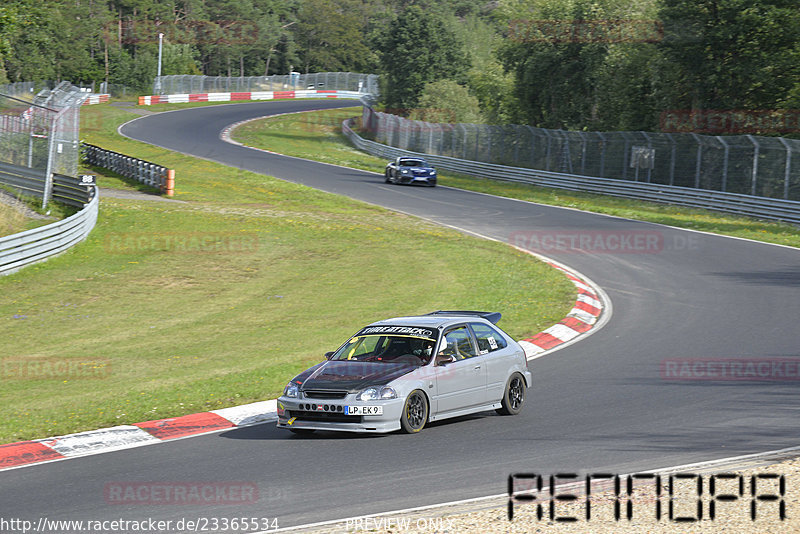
[[459, 343], [488, 338]]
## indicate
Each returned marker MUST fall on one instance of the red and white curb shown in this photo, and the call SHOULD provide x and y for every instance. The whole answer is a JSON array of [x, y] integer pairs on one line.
[[582, 318], [591, 310], [96, 99], [127, 436], [246, 95]]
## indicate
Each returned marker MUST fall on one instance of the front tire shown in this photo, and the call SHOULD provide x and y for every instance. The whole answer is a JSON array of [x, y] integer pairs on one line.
[[514, 396], [415, 412], [386, 177]]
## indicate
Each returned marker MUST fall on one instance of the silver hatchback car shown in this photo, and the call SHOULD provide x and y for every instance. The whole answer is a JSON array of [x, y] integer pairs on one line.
[[401, 373]]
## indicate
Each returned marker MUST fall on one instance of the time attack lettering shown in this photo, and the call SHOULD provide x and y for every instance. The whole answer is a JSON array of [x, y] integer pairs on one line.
[[407, 330]]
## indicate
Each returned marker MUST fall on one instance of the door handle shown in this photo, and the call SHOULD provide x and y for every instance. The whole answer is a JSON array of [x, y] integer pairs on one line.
[[477, 367]]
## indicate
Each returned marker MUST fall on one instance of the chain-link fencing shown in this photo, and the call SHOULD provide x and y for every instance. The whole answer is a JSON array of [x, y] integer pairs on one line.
[[334, 81], [745, 164], [14, 96], [116, 90], [42, 132]]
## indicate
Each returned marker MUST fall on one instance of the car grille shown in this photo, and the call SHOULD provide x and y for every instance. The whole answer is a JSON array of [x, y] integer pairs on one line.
[[324, 394], [420, 173], [329, 416]]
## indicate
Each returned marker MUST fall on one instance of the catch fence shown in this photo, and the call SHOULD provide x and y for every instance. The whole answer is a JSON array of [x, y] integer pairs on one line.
[[335, 81], [742, 164], [767, 208], [42, 132]]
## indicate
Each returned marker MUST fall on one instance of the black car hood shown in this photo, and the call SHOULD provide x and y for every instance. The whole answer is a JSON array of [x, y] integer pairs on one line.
[[351, 375]]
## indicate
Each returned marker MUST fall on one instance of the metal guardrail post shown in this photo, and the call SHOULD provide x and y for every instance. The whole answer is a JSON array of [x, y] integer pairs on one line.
[[48, 184], [726, 152], [699, 160], [649, 146], [787, 167], [603, 145], [583, 151], [755, 164]]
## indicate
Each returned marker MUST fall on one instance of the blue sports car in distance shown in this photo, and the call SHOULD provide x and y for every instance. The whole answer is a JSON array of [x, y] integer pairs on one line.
[[408, 170]]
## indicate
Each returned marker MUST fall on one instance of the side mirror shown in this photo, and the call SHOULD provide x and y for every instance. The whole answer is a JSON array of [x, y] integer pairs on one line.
[[444, 360], [328, 355]]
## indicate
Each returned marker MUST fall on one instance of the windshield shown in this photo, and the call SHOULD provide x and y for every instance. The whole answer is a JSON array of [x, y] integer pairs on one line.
[[388, 347], [412, 163]]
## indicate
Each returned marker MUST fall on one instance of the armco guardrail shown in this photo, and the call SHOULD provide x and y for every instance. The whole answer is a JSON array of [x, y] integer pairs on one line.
[[72, 191], [27, 181], [140, 170], [31, 246], [767, 208], [749, 165], [31, 182]]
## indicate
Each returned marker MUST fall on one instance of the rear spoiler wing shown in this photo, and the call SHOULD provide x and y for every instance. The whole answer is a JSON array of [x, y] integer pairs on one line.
[[492, 317]]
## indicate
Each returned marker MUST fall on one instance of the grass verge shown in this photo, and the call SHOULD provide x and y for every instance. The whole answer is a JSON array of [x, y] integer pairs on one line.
[[318, 136], [12, 220], [175, 308], [14, 211]]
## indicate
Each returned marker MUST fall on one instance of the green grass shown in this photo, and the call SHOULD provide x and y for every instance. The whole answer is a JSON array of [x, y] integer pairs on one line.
[[14, 220], [169, 329], [318, 136]]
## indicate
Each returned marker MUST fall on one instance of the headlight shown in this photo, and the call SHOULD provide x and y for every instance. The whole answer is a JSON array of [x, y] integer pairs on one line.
[[404, 171], [388, 393], [375, 393], [368, 394], [291, 390]]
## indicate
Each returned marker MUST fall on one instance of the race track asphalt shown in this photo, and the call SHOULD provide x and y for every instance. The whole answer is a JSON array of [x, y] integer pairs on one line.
[[599, 405]]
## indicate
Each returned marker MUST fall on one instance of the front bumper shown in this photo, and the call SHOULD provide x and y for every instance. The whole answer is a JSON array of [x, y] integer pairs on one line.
[[411, 179], [324, 414]]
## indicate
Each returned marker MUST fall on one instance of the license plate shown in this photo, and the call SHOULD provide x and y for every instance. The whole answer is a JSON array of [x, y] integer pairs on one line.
[[363, 410]]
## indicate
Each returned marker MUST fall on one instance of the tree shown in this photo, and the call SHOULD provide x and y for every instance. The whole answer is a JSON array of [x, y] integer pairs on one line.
[[494, 90], [445, 101], [331, 36], [9, 23], [732, 53], [416, 49]]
